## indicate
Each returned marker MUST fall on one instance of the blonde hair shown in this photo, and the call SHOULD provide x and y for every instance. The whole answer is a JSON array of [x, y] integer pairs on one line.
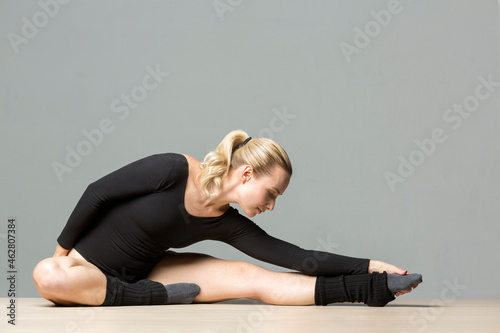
[[262, 154]]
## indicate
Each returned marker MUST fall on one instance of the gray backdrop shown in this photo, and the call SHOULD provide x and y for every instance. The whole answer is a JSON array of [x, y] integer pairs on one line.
[[389, 111]]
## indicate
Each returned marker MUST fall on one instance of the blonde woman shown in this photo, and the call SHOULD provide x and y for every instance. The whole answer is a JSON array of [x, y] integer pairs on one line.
[[114, 249]]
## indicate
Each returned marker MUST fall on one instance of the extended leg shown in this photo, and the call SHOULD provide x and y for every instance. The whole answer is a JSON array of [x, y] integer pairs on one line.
[[221, 280]]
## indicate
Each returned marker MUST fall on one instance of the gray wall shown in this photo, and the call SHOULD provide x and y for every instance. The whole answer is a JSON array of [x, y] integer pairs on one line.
[[348, 106]]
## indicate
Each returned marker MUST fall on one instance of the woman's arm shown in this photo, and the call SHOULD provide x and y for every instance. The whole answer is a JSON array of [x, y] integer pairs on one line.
[[60, 251], [255, 242], [144, 176]]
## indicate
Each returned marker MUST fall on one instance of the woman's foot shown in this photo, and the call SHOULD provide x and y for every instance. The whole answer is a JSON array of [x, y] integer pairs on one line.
[[181, 293], [399, 283]]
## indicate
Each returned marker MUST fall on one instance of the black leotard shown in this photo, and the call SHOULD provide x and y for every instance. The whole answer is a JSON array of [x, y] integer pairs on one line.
[[125, 221]]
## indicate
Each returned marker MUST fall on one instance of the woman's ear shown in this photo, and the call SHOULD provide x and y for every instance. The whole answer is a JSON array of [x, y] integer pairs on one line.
[[247, 173]]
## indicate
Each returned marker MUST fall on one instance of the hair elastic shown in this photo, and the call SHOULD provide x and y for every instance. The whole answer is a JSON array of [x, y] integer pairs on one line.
[[244, 143]]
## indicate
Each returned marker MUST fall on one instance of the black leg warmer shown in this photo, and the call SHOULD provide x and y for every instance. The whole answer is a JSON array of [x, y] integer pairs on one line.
[[143, 292], [370, 289]]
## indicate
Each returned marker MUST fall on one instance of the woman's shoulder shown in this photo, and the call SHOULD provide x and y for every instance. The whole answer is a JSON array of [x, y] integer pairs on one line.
[[240, 223], [176, 158], [193, 164], [191, 160], [171, 164]]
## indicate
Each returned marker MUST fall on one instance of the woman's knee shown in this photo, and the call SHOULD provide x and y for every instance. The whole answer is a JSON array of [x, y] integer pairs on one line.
[[251, 275], [247, 269], [48, 276]]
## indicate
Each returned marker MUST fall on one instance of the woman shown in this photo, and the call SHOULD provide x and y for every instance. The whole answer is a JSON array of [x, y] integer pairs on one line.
[[113, 249]]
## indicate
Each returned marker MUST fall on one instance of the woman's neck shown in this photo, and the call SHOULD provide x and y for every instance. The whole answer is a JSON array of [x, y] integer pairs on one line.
[[219, 202]]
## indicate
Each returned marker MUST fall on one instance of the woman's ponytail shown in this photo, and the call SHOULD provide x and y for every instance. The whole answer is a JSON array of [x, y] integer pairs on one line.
[[217, 163]]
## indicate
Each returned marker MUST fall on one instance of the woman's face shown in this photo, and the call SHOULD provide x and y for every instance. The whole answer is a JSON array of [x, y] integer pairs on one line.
[[258, 193]]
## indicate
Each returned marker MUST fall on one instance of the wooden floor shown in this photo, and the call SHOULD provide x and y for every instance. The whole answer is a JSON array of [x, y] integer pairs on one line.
[[38, 315]]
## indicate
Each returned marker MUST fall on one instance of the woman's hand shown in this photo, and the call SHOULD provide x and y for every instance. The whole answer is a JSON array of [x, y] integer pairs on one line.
[[60, 251], [380, 266]]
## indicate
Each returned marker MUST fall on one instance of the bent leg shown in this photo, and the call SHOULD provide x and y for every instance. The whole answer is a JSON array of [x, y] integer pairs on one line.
[[221, 280], [70, 281]]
